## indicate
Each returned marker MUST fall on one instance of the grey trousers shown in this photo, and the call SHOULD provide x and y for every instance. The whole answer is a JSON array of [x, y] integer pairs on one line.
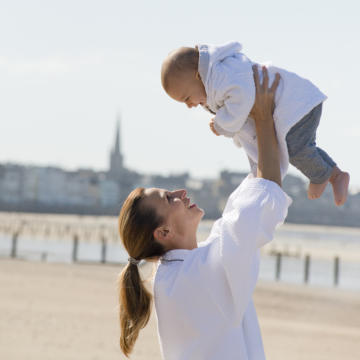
[[312, 161]]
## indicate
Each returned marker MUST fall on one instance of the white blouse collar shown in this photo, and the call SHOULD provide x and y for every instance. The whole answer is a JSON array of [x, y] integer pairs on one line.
[[175, 255]]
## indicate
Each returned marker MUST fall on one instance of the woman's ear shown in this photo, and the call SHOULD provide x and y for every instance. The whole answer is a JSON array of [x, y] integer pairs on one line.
[[163, 235], [197, 75]]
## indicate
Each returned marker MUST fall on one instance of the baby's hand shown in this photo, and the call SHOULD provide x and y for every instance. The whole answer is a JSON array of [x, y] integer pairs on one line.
[[212, 127]]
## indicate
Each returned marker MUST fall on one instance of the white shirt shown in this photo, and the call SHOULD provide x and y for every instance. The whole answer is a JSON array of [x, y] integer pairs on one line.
[[203, 297], [227, 76]]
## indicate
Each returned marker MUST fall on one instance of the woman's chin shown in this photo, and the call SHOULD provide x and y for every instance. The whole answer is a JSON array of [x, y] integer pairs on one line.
[[197, 212], [201, 212]]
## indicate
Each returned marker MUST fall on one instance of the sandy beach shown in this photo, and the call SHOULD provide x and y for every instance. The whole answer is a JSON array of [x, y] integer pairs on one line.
[[61, 311]]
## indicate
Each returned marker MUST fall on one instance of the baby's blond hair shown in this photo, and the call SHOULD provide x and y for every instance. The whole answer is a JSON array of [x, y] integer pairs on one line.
[[178, 62]]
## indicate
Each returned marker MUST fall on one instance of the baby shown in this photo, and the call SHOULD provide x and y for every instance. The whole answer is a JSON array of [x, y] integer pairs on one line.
[[220, 78]]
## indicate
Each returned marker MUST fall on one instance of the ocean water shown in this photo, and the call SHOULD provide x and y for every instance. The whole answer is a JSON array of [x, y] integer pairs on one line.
[[293, 241]]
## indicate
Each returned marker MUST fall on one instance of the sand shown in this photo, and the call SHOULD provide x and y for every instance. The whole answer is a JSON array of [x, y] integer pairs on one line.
[[61, 311]]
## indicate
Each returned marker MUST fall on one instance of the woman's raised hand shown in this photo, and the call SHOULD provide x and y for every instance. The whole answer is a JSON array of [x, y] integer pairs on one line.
[[262, 112], [265, 97]]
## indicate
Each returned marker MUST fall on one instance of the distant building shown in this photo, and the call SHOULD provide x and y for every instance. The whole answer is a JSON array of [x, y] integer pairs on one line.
[[11, 181], [51, 189], [36, 188]]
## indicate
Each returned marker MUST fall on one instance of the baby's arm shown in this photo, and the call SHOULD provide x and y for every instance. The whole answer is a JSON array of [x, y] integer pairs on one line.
[[217, 130], [236, 93], [212, 127], [237, 106]]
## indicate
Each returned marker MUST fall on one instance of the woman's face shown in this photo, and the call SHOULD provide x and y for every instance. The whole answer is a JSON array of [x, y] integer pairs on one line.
[[181, 217]]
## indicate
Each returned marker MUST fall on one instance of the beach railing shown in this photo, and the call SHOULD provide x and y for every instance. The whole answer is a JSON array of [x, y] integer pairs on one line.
[[78, 231], [16, 252], [72, 230], [306, 268], [102, 239]]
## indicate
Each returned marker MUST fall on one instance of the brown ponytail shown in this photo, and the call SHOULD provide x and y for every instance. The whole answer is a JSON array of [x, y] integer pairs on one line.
[[136, 227]]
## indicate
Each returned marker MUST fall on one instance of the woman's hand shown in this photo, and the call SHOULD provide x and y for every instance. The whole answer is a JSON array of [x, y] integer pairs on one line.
[[265, 97], [262, 112]]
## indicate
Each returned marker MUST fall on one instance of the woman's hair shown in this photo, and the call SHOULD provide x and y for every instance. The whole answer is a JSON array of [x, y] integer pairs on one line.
[[178, 62], [136, 226]]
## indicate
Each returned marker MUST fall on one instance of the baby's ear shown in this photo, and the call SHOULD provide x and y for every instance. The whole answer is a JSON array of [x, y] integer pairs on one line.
[[197, 75]]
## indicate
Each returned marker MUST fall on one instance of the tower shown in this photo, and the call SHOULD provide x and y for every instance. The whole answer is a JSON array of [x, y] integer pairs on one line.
[[116, 158]]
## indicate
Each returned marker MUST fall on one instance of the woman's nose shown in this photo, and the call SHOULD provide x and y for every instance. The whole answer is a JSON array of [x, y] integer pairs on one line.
[[180, 193]]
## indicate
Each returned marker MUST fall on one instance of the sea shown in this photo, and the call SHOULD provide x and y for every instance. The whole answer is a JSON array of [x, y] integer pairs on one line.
[[331, 254]]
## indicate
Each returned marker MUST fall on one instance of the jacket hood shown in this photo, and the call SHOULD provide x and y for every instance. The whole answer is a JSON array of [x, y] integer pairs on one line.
[[210, 54]]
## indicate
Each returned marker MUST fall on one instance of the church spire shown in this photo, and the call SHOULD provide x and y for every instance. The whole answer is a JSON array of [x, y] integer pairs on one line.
[[117, 148], [116, 159]]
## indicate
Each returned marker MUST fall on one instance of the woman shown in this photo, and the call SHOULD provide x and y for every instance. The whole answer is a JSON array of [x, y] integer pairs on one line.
[[203, 295]]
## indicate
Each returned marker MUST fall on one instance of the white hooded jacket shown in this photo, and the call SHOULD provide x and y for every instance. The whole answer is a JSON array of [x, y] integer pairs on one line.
[[229, 84]]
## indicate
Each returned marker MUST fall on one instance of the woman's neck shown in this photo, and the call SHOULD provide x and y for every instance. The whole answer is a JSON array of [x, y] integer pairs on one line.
[[187, 242]]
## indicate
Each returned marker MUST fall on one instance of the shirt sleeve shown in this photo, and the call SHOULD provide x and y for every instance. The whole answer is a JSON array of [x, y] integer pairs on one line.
[[235, 93], [253, 211], [249, 220]]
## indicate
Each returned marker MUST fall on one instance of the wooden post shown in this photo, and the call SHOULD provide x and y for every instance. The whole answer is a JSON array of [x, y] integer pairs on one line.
[[336, 270], [286, 250], [278, 266], [75, 248], [103, 250], [14, 244], [307, 269]]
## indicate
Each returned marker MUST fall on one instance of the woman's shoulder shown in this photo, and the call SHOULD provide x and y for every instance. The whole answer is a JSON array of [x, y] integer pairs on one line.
[[181, 268]]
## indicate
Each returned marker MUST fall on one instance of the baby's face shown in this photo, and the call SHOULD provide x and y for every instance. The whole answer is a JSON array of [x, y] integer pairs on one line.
[[188, 89]]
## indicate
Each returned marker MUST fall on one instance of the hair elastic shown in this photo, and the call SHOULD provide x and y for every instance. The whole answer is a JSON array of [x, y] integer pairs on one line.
[[133, 261]]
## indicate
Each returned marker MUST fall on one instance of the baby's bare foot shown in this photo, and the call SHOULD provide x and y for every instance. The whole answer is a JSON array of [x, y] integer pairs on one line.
[[316, 190], [340, 184]]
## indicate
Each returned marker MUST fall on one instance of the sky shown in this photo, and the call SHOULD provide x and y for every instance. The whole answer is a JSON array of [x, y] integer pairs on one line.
[[69, 68]]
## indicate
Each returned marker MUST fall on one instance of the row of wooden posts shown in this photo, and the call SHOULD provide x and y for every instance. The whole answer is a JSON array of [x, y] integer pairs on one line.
[[307, 262], [76, 247], [74, 253], [279, 256]]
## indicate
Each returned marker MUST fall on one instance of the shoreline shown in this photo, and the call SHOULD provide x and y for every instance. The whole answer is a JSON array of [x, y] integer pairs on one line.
[[89, 219]]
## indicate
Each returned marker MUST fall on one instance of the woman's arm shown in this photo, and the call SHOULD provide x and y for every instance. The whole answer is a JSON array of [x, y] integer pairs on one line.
[[262, 111], [253, 210]]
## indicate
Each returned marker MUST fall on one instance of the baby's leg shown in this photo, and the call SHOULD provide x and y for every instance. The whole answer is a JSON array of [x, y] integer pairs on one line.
[[314, 167], [320, 178], [338, 179], [340, 183], [314, 162]]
